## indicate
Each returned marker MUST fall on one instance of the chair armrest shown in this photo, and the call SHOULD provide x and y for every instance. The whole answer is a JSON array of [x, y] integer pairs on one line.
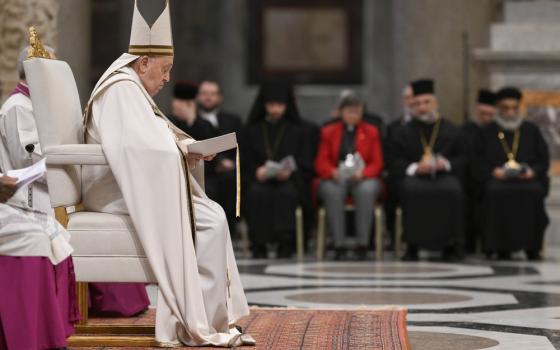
[[78, 154]]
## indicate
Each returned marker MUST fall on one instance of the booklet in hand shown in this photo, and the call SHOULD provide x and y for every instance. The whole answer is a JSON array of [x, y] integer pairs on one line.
[[273, 168], [213, 145], [28, 175]]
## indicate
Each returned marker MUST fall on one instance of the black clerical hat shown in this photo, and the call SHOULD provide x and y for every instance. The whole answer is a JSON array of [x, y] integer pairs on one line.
[[509, 92], [276, 92], [185, 90], [422, 86], [486, 97]]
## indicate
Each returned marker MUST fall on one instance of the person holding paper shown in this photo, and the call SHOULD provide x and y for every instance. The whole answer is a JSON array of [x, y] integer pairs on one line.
[[511, 167], [428, 164], [350, 162], [19, 141], [271, 150], [38, 304], [152, 177], [19, 148]]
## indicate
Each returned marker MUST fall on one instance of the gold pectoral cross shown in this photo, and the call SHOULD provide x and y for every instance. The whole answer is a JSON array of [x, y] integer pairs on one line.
[[428, 155]]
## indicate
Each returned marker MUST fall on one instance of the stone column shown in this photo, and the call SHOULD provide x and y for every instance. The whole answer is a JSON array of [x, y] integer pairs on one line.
[[15, 18]]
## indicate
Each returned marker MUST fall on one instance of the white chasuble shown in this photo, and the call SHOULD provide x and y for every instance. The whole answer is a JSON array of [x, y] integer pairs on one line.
[[200, 292]]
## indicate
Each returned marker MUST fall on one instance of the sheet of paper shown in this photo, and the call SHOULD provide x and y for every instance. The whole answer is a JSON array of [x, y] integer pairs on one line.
[[213, 145], [28, 175]]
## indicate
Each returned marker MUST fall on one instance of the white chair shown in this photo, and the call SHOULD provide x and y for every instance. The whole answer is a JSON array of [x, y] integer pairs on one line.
[[106, 246]]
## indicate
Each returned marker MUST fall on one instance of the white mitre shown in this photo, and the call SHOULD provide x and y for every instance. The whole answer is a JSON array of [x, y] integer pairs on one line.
[[155, 40]]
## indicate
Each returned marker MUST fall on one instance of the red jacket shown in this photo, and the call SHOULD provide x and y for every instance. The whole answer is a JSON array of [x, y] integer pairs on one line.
[[368, 144]]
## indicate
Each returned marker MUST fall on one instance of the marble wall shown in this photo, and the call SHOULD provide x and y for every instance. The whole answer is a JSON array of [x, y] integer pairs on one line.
[[16, 16]]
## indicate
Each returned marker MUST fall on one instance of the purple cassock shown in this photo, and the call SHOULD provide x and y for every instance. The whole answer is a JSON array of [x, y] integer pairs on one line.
[[38, 305], [118, 299]]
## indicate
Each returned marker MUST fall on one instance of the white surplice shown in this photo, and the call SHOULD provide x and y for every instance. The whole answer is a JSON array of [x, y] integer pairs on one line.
[[27, 232], [200, 292], [17, 130]]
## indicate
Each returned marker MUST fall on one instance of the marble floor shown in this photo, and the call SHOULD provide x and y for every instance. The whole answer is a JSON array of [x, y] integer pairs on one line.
[[477, 304]]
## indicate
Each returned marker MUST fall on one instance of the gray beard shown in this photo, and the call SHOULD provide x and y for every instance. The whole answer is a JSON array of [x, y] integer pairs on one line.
[[428, 118], [509, 124]]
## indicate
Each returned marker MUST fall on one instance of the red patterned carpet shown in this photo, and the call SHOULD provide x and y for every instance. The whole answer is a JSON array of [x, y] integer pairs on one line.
[[285, 329]]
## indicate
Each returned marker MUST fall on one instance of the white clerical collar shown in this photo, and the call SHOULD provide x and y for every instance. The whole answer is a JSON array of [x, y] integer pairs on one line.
[[211, 117]]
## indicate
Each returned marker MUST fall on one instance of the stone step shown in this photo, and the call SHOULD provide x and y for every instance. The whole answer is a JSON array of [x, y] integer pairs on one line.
[[532, 12], [525, 37]]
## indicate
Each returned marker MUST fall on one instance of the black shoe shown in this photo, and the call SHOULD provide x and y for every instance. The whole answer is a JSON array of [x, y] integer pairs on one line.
[[339, 253], [361, 253], [259, 252], [411, 254], [284, 251], [452, 254], [533, 255], [504, 256]]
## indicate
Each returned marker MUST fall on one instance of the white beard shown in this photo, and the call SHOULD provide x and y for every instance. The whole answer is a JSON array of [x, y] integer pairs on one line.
[[509, 124], [428, 118]]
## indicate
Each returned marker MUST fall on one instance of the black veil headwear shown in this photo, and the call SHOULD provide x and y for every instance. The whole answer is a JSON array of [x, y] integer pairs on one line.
[[274, 92]]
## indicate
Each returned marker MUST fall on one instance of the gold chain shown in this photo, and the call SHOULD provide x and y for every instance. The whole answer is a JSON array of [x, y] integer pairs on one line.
[[429, 146], [510, 152]]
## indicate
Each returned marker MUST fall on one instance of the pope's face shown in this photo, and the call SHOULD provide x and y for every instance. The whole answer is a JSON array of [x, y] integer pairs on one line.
[[154, 72]]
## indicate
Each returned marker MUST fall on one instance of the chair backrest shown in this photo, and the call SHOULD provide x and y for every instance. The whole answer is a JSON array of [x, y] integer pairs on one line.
[[58, 115]]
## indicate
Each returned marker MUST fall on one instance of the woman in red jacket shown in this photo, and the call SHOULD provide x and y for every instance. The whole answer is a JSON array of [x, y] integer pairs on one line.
[[349, 162]]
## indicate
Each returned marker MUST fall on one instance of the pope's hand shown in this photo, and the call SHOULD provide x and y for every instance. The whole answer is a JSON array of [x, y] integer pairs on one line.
[[7, 188]]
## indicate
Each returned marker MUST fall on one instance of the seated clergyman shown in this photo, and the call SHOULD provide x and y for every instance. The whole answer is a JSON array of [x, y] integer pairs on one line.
[[38, 307], [184, 234], [428, 160], [511, 165]]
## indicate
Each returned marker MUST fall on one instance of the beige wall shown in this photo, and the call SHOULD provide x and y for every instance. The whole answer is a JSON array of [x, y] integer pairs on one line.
[[429, 42]]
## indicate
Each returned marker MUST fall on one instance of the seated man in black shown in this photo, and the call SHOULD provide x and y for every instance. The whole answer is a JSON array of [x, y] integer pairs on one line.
[[428, 161], [484, 113], [512, 164]]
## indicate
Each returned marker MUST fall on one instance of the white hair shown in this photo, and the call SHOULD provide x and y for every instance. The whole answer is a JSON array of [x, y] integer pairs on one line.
[[23, 57]]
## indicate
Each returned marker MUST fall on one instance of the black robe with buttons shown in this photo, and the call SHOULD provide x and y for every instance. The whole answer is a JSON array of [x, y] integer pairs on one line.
[[433, 206], [514, 216]]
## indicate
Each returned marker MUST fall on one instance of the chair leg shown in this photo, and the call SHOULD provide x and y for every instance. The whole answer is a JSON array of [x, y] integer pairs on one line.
[[245, 243], [299, 233], [321, 218], [82, 293], [379, 232], [398, 232]]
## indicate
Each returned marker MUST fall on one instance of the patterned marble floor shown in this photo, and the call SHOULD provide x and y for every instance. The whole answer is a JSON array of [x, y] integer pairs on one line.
[[477, 304]]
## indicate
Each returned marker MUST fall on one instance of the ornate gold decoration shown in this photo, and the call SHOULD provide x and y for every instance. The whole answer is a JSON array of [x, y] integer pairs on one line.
[[511, 153], [428, 146], [36, 49]]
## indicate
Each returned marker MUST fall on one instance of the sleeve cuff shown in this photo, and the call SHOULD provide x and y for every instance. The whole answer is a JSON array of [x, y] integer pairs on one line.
[[411, 170]]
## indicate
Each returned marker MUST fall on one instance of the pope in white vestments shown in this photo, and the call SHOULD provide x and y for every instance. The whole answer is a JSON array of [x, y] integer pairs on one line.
[[151, 177]]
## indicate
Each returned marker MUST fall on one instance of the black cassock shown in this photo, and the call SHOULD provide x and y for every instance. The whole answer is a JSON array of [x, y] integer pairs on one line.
[[471, 135], [269, 207], [433, 206], [514, 210]]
